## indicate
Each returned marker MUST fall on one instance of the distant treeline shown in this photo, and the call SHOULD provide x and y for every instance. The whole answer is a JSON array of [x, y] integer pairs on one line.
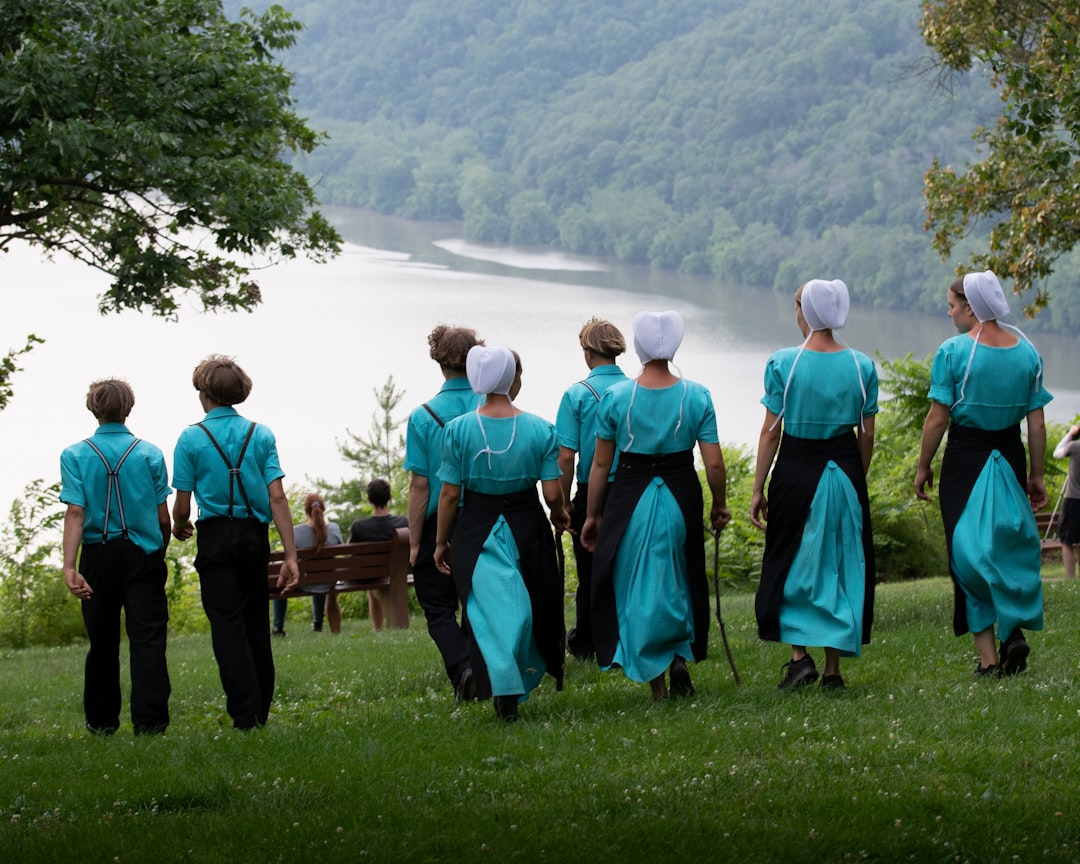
[[713, 136]]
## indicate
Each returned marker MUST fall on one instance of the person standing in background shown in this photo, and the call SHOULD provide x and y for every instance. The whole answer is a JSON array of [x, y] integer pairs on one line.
[[1069, 519]]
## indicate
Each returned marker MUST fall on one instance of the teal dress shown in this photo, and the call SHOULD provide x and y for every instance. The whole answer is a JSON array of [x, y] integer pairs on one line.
[[818, 571], [502, 549], [994, 549], [649, 568]]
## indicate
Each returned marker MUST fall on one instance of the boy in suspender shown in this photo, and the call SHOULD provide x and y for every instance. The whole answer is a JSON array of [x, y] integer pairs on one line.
[[116, 487], [231, 466]]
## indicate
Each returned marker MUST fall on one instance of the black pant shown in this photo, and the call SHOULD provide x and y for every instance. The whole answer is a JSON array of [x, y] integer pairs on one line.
[[579, 640], [439, 599], [231, 561], [124, 577]]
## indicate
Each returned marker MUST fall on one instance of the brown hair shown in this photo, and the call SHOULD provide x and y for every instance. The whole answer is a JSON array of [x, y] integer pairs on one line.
[[220, 379], [110, 400], [315, 508], [378, 492], [957, 287], [450, 345], [602, 337]]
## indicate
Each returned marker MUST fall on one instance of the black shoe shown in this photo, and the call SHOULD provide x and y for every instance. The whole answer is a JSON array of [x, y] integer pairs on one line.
[[991, 671], [316, 626], [465, 690], [506, 708], [1014, 653], [799, 673], [151, 728], [579, 648], [831, 682], [101, 731], [681, 685], [277, 631]]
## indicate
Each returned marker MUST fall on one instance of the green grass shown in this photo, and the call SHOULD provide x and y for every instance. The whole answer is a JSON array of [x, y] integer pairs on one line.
[[367, 757]]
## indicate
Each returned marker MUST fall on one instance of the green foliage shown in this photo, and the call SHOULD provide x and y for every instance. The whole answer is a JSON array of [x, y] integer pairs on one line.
[[146, 139], [741, 544], [379, 453], [710, 137], [35, 606], [9, 366], [1027, 184], [909, 539]]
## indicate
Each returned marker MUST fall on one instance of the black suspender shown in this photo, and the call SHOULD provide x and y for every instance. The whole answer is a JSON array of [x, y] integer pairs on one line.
[[113, 488], [234, 471], [438, 419]]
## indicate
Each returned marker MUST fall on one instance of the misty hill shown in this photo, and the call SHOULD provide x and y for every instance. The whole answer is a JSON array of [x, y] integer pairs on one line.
[[761, 142]]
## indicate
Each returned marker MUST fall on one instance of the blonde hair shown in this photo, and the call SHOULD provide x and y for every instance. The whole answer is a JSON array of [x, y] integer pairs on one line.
[[603, 338]]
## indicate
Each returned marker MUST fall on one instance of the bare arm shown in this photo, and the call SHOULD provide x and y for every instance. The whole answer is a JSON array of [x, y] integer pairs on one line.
[[768, 442], [419, 492], [1036, 435], [182, 528], [598, 474], [165, 523], [865, 435], [553, 497], [1061, 451], [716, 477], [279, 511], [566, 465], [937, 421], [74, 518], [449, 499]]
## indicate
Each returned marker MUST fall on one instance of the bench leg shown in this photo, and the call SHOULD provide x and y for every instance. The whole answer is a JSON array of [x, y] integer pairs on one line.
[[395, 601]]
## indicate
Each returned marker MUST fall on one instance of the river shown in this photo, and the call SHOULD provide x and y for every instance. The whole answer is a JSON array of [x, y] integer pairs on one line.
[[327, 337]]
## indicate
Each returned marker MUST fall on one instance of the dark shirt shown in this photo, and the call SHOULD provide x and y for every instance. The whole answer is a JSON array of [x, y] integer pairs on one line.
[[376, 528]]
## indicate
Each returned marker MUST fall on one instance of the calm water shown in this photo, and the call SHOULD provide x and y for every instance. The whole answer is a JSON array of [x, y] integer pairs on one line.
[[328, 335]]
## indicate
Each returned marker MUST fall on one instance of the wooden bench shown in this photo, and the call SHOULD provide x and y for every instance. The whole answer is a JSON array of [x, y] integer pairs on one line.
[[1047, 523], [375, 565]]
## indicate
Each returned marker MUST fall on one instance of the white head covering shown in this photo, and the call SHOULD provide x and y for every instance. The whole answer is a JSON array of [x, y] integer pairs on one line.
[[825, 304], [657, 335], [985, 296], [490, 370]]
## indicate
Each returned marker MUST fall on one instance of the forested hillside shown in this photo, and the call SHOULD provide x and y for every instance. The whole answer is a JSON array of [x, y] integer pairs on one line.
[[760, 142]]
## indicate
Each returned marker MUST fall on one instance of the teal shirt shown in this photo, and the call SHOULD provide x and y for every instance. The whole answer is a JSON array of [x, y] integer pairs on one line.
[[828, 394], [576, 420], [199, 468], [1003, 384], [424, 435], [499, 455], [143, 486], [665, 420]]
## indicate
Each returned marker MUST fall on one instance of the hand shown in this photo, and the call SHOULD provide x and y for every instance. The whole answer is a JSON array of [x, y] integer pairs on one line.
[[1036, 490], [183, 530], [589, 532], [76, 584], [442, 558], [759, 510], [561, 520], [719, 517], [288, 576], [924, 479]]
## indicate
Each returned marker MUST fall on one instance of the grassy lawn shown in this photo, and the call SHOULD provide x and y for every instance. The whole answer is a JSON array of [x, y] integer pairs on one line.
[[367, 757]]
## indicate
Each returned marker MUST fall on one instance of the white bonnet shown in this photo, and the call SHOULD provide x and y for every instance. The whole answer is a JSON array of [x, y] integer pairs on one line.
[[985, 296], [657, 335], [490, 370], [825, 304]]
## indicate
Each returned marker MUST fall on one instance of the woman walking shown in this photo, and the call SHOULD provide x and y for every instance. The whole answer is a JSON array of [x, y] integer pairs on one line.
[[983, 382], [817, 573], [650, 600]]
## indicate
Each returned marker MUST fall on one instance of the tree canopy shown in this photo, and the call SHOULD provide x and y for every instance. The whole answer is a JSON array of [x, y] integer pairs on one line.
[[147, 139], [1027, 184]]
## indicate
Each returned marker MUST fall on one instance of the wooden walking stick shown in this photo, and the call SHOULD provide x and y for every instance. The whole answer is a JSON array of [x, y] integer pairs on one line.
[[719, 616]]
